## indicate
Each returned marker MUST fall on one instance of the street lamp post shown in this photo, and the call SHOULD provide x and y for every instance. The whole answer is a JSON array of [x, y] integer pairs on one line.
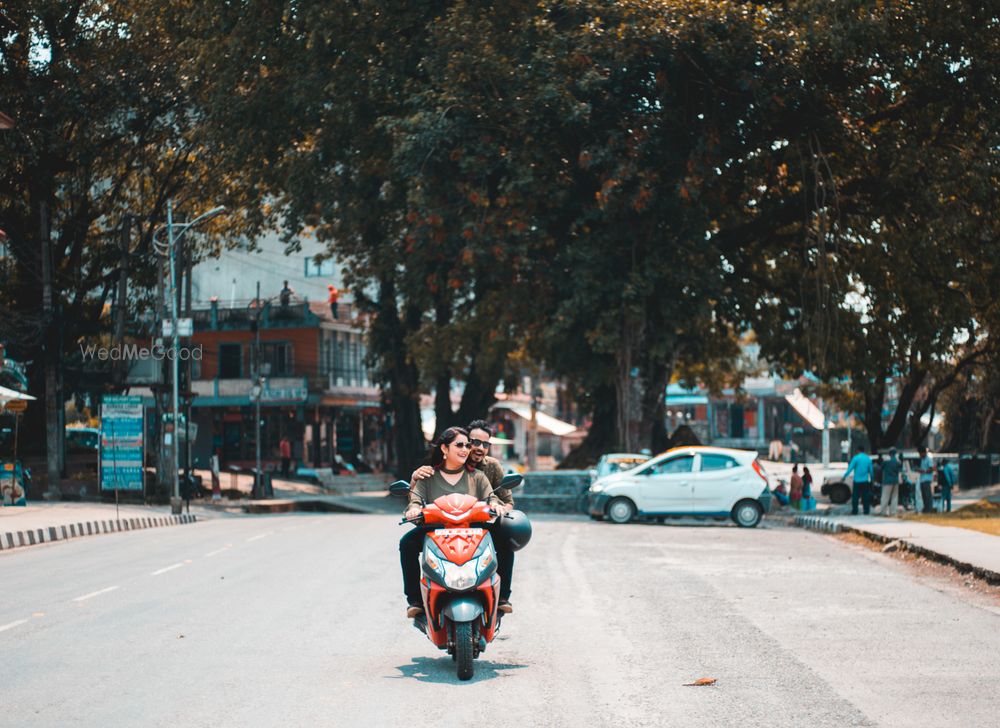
[[171, 253]]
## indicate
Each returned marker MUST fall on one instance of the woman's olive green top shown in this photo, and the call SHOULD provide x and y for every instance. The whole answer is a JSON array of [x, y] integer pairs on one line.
[[471, 483]]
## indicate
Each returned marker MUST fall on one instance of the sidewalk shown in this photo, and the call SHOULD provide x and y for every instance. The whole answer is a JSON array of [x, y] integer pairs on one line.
[[966, 550], [43, 522]]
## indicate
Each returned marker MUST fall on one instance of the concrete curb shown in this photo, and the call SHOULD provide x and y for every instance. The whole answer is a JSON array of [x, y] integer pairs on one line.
[[19, 539], [826, 525]]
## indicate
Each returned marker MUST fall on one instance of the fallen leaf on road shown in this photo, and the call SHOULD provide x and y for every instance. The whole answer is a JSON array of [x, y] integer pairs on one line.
[[701, 681], [180, 636]]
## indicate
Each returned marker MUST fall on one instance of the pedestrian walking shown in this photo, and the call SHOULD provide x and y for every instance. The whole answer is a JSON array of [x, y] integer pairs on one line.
[[285, 446], [890, 484], [795, 488], [213, 465], [861, 466], [774, 450], [808, 503], [946, 480], [334, 296], [926, 469]]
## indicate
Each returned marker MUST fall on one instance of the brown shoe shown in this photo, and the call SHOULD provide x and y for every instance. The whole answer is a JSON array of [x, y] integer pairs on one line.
[[414, 611], [505, 606]]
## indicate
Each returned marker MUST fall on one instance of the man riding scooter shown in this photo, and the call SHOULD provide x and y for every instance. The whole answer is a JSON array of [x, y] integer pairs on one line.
[[480, 433]]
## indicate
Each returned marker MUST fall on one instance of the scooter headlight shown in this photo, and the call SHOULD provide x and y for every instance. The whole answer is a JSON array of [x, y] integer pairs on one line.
[[433, 561], [460, 577], [486, 560]]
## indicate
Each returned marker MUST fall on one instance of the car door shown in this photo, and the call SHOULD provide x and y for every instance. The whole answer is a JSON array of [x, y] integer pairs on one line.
[[716, 484], [666, 485]]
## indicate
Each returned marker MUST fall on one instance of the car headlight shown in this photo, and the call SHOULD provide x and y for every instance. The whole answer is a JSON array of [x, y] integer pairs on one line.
[[597, 488]]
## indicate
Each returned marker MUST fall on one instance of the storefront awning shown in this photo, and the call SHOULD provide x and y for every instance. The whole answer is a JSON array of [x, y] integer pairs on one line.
[[546, 423], [808, 411], [6, 395]]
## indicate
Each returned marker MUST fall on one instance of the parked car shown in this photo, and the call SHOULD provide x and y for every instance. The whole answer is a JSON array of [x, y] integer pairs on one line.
[[615, 462], [83, 439], [686, 481]]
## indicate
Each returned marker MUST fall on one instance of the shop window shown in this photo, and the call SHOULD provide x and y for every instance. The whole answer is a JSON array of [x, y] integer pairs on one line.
[[230, 361]]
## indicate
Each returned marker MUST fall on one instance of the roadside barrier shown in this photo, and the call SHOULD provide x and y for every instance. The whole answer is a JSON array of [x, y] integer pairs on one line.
[[818, 523], [32, 537]]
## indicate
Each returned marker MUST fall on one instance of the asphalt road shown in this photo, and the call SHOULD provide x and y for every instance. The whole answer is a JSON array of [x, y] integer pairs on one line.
[[298, 620]]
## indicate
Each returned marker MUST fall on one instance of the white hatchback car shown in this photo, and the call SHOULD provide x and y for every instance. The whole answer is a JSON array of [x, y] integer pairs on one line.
[[686, 481]]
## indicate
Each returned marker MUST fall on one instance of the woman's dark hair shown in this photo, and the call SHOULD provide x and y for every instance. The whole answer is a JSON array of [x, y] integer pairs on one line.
[[480, 425], [435, 458]]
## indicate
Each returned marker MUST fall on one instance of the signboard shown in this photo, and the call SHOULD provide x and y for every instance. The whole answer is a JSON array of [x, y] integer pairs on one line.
[[288, 394], [11, 485], [185, 327], [121, 442], [17, 406]]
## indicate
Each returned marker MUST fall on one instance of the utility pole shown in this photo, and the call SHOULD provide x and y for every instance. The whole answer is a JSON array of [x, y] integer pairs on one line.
[[190, 371], [53, 441], [175, 501], [121, 366], [259, 389], [826, 435], [171, 254], [532, 442]]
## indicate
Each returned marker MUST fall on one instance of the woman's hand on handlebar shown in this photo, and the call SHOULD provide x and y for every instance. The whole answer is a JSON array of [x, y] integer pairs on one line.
[[413, 513]]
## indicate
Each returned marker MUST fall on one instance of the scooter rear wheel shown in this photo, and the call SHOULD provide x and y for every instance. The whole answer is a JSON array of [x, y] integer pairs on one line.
[[464, 650]]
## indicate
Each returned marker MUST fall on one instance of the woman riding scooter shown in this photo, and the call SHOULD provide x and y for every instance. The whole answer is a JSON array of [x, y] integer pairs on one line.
[[449, 455]]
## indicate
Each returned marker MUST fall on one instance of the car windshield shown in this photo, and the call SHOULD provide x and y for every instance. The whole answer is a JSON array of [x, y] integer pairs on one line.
[[615, 465]]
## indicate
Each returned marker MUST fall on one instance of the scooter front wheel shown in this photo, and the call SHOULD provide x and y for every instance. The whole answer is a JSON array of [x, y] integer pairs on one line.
[[463, 650]]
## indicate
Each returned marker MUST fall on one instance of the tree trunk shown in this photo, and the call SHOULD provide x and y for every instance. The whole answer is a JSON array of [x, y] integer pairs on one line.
[[400, 375], [444, 415], [653, 427], [479, 394], [600, 437]]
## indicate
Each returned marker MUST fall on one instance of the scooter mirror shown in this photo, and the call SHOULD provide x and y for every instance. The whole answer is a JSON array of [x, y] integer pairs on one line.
[[399, 488], [511, 481]]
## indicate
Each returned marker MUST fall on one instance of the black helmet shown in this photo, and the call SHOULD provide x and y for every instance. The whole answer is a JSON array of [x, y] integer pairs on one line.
[[516, 530]]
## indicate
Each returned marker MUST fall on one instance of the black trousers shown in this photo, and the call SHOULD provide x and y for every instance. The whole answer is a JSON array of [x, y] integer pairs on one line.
[[927, 494], [864, 492], [412, 543]]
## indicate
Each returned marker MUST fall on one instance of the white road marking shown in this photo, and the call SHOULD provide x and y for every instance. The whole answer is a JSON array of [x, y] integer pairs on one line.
[[217, 551], [261, 535], [94, 594], [169, 568], [11, 625]]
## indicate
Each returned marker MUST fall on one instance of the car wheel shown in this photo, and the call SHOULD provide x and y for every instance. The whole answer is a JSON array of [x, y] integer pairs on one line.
[[621, 510], [747, 513], [839, 492]]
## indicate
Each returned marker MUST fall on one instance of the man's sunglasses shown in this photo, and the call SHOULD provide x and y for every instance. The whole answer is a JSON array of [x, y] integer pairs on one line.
[[479, 443]]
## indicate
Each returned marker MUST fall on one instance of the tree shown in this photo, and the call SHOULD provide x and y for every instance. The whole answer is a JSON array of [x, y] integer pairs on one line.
[[107, 110], [865, 210]]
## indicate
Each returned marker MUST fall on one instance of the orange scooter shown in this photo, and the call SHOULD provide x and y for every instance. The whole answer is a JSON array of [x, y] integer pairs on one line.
[[459, 582]]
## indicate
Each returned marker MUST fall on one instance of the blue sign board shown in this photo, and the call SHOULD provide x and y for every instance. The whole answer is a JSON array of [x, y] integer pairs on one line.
[[121, 443]]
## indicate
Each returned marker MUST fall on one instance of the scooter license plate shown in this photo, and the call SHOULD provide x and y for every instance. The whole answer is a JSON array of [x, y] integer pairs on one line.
[[463, 532]]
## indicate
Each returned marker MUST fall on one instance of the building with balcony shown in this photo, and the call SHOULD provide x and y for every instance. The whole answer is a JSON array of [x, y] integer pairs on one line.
[[315, 387]]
